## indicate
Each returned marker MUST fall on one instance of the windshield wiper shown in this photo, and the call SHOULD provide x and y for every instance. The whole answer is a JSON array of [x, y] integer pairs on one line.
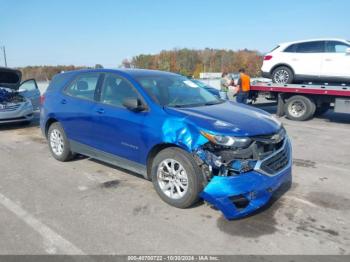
[[211, 103], [186, 105]]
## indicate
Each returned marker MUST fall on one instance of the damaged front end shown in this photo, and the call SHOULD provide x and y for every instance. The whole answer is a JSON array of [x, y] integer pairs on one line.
[[239, 180], [14, 107]]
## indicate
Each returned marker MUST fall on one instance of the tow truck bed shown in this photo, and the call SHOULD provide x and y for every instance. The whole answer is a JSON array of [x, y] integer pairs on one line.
[[303, 101]]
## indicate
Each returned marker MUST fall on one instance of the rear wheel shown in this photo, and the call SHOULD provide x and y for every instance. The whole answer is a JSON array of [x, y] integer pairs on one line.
[[299, 108], [176, 177], [58, 143], [282, 75]]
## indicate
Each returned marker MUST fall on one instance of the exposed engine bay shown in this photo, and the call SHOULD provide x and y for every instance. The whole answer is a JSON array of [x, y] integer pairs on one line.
[[8, 96], [217, 160]]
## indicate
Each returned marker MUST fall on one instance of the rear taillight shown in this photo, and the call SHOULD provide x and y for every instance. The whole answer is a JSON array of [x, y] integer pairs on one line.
[[42, 99], [267, 58]]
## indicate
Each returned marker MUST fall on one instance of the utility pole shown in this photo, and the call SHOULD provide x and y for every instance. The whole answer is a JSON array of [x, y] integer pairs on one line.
[[4, 54]]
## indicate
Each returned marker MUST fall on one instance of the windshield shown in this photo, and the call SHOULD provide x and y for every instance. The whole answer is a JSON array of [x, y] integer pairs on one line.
[[176, 91], [199, 83]]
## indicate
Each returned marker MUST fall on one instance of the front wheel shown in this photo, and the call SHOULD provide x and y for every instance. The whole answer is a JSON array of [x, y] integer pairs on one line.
[[176, 177], [282, 75]]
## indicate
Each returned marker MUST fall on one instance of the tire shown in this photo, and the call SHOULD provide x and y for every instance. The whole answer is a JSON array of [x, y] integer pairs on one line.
[[282, 75], [299, 108], [184, 160], [320, 110], [58, 143]]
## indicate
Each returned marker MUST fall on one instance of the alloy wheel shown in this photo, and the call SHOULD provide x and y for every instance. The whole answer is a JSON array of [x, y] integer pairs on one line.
[[281, 77], [56, 142], [172, 178]]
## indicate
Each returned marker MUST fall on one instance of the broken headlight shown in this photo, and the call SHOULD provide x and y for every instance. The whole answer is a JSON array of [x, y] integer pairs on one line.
[[227, 140]]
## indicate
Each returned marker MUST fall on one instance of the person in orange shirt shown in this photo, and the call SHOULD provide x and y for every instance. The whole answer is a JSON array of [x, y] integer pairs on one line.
[[243, 86]]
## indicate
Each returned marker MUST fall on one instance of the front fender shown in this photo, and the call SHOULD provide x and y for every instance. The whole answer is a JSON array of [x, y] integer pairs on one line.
[[177, 131]]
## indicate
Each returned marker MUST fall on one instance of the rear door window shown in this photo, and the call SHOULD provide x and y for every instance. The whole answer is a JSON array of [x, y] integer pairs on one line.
[[84, 86], [311, 47]]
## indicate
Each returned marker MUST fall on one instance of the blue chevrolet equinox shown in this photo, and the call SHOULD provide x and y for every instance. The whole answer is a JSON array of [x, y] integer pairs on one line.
[[188, 142]]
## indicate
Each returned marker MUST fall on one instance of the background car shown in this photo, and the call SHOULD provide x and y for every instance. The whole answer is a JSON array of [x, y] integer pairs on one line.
[[207, 87], [17, 100], [326, 60]]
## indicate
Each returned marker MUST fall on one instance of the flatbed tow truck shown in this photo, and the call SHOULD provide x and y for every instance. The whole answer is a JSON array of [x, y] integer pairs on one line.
[[302, 102]]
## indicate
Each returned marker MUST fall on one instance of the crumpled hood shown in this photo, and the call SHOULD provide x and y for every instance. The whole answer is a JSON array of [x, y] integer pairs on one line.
[[10, 78], [229, 118]]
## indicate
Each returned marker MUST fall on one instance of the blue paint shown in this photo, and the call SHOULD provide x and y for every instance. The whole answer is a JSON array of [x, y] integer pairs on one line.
[[133, 135], [260, 186]]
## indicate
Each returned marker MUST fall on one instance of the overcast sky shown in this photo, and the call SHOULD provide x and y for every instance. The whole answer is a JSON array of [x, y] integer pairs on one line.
[[86, 32]]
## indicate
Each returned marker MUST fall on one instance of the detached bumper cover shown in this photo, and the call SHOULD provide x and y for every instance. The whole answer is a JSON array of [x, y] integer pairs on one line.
[[238, 196]]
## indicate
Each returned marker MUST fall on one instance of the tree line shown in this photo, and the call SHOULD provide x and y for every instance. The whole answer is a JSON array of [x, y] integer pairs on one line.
[[45, 73], [191, 62], [188, 62]]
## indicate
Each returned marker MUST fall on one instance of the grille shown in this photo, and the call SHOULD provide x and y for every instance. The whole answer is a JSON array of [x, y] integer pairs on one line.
[[6, 108], [277, 162]]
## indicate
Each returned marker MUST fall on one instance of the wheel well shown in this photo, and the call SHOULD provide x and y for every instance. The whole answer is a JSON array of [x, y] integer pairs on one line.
[[280, 65], [49, 122], [152, 154]]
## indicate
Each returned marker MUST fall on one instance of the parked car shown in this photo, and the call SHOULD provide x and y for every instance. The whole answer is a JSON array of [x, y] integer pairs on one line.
[[188, 142], [17, 100], [326, 60], [207, 87]]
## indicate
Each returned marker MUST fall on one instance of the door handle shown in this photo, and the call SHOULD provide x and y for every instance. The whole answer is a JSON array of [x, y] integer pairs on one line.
[[63, 101], [100, 111], [328, 60]]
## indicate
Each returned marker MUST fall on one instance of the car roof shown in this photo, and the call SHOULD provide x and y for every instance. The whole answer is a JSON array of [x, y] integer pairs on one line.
[[130, 72], [312, 40]]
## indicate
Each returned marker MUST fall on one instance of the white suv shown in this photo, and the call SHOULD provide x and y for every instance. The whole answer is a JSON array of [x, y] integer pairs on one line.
[[326, 60]]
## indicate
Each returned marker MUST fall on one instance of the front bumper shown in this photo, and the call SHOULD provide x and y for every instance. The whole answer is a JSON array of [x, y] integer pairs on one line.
[[241, 195], [16, 114]]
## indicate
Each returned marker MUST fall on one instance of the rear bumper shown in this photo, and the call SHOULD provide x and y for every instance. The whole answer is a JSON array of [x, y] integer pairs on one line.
[[241, 195]]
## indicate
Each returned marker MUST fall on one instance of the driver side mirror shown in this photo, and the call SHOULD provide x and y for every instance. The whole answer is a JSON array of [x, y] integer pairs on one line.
[[134, 104]]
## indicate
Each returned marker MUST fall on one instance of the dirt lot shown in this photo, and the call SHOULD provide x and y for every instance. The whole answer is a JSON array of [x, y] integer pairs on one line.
[[86, 207]]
